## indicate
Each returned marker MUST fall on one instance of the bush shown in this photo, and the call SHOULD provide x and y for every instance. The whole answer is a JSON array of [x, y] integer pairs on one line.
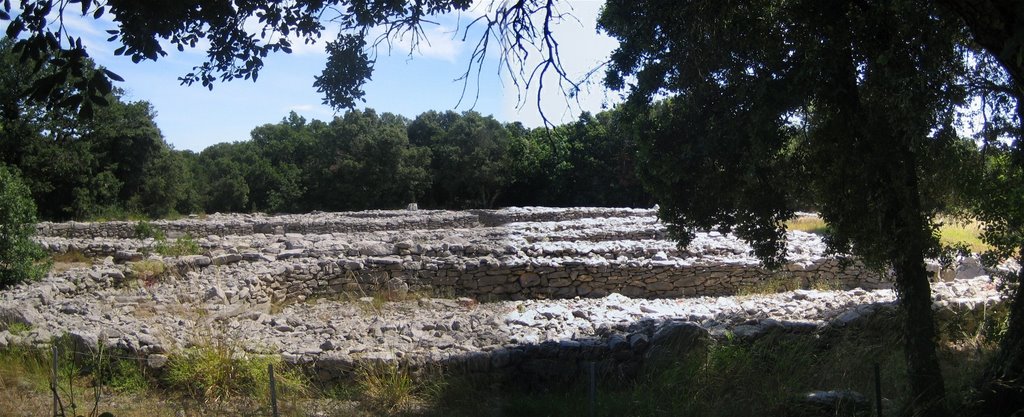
[[21, 259], [145, 230]]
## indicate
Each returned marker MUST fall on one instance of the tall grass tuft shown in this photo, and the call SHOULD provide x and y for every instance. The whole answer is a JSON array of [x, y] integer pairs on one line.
[[214, 372], [387, 387]]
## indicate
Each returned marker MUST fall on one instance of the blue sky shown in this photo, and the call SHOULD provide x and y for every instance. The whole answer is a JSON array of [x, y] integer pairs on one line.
[[403, 83]]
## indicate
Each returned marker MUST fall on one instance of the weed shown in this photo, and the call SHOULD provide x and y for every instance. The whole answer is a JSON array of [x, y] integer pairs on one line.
[[809, 224], [18, 329], [148, 271], [71, 256], [787, 281], [387, 387], [146, 230], [213, 372], [182, 246], [127, 376]]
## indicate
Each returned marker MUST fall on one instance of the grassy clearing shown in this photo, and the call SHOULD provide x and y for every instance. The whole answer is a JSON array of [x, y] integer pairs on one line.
[[809, 224], [954, 232], [951, 232]]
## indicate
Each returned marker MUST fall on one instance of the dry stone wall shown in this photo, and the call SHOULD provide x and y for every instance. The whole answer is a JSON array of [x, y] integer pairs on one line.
[[517, 253], [571, 286]]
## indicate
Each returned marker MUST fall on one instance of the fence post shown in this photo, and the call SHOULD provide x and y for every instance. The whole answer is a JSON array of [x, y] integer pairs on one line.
[[273, 390], [592, 389], [53, 382], [878, 390]]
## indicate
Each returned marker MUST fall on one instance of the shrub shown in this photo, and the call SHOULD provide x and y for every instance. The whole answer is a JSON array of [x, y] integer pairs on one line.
[[145, 230], [21, 259]]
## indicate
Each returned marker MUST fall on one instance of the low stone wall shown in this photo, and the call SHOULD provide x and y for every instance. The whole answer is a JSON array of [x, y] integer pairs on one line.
[[249, 224], [534, 253], [555, 214], [300, 279]]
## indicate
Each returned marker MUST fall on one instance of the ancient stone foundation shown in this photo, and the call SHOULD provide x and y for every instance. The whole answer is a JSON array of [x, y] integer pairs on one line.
[[514, 254], [531, 293]]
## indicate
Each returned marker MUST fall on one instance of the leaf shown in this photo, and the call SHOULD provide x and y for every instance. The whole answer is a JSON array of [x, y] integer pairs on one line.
[[99, 100], [110, 74], [120, 51], [112, 31], [99, 12], [85, 112], [14, 28], [85, 6], [4, 15], [112, 38], [71, 102]]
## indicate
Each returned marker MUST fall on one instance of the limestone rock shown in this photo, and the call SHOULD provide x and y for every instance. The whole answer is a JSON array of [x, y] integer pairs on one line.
[[18, 314]]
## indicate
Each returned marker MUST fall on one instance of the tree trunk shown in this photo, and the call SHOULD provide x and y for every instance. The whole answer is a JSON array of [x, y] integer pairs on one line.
[[923, 372], [913, 236]]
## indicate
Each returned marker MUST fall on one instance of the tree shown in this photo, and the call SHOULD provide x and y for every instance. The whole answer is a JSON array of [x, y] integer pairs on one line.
[[21, 259], [236, 49], [853, 99], [468, 154]]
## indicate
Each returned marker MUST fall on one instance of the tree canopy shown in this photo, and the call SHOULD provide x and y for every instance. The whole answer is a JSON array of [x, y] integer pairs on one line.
[[853, 105]]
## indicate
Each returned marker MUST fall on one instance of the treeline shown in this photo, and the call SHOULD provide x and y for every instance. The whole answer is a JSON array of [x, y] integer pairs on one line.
[[117, 164]]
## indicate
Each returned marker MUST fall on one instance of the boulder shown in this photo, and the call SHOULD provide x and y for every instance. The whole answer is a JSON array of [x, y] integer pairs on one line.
[[18, 314]]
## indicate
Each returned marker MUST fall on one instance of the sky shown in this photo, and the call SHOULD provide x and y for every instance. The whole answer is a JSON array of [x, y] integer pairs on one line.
[[404, 82]]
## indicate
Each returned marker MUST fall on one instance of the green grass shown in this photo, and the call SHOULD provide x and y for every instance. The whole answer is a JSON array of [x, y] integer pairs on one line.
[[388, 387], [18, 329], [182, 246], [963, 232], [148, 271], [951, 231], [215, 372], [729, 378], [809, 224]]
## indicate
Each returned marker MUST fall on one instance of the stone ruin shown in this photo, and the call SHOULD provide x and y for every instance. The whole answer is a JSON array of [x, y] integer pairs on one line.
[[521, 253], [530, 291]]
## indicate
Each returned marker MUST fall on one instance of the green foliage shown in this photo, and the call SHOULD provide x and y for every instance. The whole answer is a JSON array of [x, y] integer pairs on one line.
[[387, 387], [114, 164], [182, 246], [348, 68], [127, 376], [213, 372], [18, 329], [21, 259], [145, 230], [775, 103], [149, 271]]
